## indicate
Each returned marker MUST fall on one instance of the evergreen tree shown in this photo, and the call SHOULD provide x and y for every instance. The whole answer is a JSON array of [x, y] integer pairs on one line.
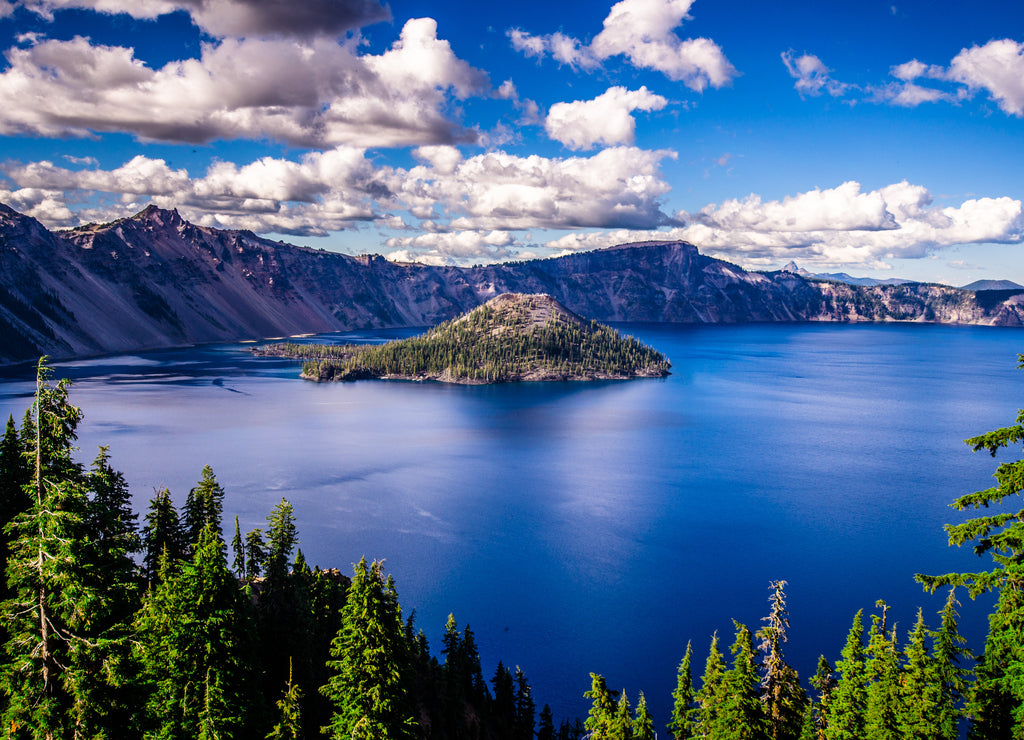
[[238, 552], [622, 722], [546, 724], [919, 696], [367, 689], [643, 723], [161, 536], [14, 476], [289, 707], [783, 698], [203, 507], [525, 707], [996, 701], [255, 554], [882, 675], [47, 615], [845, 716], [282, 537], [601, 718], [710, 696], [948, 675], [193, 650], [503, 706], [824, 682], [740, 714], [681, 724]]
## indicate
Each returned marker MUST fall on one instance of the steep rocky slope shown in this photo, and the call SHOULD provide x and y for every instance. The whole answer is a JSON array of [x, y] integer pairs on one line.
[[155, 280]]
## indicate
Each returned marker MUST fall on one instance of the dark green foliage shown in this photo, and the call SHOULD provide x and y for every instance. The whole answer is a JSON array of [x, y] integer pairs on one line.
[[996, 700], [948, 676], [238, 553], [162, 536], [203, 507], [847, 706], [289, 707], [14, 476], [740, 715], [816, 717], [255, 554], [193, 647], [709, 697], [882, 673], [643, 723], [282, 537], [683, 707], [489, 345], [368, 689]]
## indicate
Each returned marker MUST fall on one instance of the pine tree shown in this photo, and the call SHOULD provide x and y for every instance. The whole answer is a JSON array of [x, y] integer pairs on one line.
[[546, 724], [161, 536], [845, 716], [948, 675], [601, 717], [193, 650], [14, 476], [255, 554], [683, 707], [919, 695], [996, 702], [289, 707], [710, 696], [882, 675], [238, 553], [740, 714], [622, 722], [783, 698], [204, 507], [525, 707], [282, 537], [46, 616], [643, 723], [367, 688]]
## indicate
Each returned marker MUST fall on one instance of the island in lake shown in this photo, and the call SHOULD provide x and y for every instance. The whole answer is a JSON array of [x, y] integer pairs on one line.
[[513, 337]]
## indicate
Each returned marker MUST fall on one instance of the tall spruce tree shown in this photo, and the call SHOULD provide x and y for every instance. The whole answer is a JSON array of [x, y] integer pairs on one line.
[[282, 537], [919, 695], [783, 698], [882, 676], [643, 723], [162, 535], [741, 715], [711, 693], [683, 707], [238, 553], [368, 689], [193, 648], [996, 701], [949, 676], [48, 615], [845, 716], [601, 718], [204, 507]]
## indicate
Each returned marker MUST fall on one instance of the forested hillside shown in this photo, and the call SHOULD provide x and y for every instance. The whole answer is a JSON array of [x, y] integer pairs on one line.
[[510, 338], [116, 628]]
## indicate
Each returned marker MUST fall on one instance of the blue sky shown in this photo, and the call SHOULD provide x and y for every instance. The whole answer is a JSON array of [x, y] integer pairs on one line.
[[879, 138]]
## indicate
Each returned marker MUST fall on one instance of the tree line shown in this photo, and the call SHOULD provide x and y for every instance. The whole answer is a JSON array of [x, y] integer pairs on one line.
[[112, 628]]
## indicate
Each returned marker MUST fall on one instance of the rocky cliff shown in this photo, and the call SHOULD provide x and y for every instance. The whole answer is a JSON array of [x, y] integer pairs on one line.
[[155, 280]]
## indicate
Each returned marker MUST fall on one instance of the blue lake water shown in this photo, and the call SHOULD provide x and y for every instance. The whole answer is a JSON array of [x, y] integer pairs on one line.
[[597, 527]]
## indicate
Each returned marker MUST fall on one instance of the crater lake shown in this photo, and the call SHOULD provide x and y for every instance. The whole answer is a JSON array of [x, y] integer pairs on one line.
[[596, 526]]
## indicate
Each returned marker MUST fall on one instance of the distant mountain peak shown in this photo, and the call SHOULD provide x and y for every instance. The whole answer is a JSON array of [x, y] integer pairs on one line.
[[156, 215]]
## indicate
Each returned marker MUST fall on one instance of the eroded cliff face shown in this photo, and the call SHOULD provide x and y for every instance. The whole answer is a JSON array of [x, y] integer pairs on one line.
[[155, 280]]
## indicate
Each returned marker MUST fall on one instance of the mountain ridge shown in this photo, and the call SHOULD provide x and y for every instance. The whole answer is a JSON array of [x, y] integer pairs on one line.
[[156, 280]]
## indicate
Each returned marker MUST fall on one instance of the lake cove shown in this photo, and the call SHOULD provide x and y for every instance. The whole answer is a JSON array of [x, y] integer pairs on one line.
[[582, 527]]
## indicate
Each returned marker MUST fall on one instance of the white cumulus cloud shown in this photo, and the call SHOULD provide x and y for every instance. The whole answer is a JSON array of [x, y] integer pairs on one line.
[[311, 93], [838, 227], [642, 31], [812, 76], [604, 120], [997, 67]]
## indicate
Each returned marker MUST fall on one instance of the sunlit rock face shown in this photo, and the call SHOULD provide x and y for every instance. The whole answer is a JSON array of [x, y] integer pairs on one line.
[[156, 280]]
